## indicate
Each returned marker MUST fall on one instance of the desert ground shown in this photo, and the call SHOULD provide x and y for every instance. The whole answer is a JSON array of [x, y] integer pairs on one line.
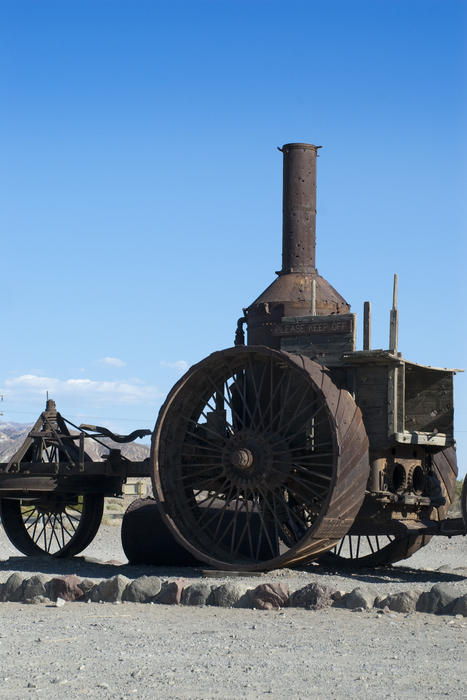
[[131, 650]]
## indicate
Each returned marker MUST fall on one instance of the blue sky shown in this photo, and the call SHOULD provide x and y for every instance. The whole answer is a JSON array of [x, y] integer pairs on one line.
[[141, 187]]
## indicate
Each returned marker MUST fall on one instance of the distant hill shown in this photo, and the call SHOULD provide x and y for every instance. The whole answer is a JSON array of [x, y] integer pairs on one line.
[[12, 435]]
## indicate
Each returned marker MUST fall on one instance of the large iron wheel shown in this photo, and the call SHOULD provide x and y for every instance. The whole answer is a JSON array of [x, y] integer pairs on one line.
[[444, 475], [359, 551], [464, 502], [258, 459], [57, 525]]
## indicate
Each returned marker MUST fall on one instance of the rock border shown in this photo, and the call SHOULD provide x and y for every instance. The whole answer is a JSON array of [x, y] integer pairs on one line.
[[441, 599]]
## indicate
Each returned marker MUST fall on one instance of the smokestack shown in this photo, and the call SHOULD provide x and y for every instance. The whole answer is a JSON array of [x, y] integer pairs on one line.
[[298, 290], [299, 208]]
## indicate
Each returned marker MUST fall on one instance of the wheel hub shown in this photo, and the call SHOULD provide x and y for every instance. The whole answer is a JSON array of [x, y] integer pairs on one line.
[[249, 459], [242, 458], [51, 507]]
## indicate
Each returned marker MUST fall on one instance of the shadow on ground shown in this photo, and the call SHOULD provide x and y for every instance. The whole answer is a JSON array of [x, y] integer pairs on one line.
[[94, 569]]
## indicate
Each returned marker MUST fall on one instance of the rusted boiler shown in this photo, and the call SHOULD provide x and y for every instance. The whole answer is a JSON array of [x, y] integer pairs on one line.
[[296, 445]]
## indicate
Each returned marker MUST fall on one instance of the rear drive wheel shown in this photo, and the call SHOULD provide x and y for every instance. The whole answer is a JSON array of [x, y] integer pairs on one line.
[[259, 460]]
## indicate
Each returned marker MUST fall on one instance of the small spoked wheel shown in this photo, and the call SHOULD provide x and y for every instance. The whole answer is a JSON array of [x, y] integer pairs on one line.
[[355, 551], [56, 525], [258, 459]]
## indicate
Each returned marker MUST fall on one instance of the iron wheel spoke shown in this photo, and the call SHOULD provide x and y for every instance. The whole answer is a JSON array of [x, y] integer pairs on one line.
[[70, 520]]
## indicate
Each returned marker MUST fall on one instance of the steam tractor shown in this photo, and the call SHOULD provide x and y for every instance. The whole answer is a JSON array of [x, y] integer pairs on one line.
[[288, 447], [297, 444]]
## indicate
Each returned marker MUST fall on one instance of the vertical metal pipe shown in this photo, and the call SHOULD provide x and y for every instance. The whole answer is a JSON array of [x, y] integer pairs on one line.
[[313, 297], [366, 325], [299, 208], [394, 320]]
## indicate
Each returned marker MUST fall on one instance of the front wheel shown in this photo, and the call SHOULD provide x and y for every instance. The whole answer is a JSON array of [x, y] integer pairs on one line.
[[57, 525]]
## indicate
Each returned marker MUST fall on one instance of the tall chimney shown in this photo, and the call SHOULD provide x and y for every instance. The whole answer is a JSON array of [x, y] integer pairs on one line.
[[298, 290], [299, 208]]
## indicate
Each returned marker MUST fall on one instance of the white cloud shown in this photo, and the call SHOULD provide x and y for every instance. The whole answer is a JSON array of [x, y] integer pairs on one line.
[[112, 361], [132, 391], [180, 365]]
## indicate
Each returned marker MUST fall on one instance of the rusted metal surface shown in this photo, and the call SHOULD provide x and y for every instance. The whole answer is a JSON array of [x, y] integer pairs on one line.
[[147, 540], [442, 475], [254, 450], [52, 493], [299, 208], [99, 431], [401, 480], [53, 458], [387, 542], [299, 288]]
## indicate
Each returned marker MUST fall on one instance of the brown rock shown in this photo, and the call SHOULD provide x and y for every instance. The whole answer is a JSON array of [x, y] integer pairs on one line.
[[110, 590], [229, 595], [359, 598], [171, 593], [440, 599], [13, 589], [65, 587], [404, 602], [269, 596], [460, 606], [35, 586], [314, 596], [87, 586], [142, 590]]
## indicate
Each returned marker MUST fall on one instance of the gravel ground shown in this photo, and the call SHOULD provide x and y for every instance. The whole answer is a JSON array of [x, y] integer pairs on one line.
[[151, 651], [147, 651]]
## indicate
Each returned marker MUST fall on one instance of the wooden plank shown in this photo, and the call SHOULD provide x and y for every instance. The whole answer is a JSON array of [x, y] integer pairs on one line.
[[400, 424], [324, 339], [368, 377], [429, 404], [312, 325], [375, 357], [392, 400], [419, 438], [371, 393]]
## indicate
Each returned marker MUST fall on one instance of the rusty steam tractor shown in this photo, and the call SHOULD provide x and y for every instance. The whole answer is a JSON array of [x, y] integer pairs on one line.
[[291, 447]]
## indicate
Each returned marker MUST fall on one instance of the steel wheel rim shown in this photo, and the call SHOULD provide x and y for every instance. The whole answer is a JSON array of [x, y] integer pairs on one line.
[[269, 469]]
